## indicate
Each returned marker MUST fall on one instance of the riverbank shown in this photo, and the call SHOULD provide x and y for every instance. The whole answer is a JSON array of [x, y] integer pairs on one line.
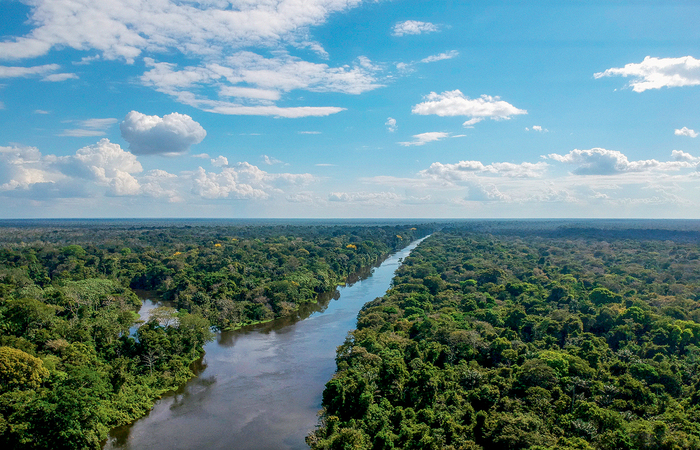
[[260, 387]]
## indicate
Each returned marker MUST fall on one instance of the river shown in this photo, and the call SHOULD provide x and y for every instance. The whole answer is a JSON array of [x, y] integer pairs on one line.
[[259, 388]]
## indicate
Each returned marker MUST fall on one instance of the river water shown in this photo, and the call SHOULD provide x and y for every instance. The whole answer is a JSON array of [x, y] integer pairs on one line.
[[259, 388]]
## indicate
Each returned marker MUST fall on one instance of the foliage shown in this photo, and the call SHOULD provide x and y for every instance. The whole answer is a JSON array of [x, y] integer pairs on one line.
[[71, 364], [499, 339]]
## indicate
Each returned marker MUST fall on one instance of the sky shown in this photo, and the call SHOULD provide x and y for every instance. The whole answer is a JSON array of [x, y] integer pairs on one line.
[[349, 109]]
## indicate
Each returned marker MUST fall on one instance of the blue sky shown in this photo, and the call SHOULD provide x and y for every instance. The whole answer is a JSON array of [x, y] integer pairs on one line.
[[349, 108]]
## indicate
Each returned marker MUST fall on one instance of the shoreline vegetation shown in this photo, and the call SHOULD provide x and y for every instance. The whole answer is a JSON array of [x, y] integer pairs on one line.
[[504, 335], [69, 368], [494, 334]]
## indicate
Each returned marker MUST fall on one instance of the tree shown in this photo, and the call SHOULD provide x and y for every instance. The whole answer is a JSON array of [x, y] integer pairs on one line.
[[20, 370]]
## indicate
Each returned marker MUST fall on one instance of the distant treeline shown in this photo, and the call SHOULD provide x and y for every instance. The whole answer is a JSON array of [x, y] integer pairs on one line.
[[70, 369], [532, 340]]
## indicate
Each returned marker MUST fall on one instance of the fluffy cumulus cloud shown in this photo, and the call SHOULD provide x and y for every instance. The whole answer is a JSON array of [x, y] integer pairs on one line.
[[424, 138], [413, 27], [685, 131], [454, 103], [602, 179], [466, 170], [599, 161], [244, 181], [219, 161], [105, 169], [678, 155], [104, 164], [125, 29], [21, 167], [655, 73], [172, 134], [107, 164]]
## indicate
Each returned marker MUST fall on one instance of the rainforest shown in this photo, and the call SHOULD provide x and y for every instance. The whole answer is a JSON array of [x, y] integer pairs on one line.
[[491, 334]]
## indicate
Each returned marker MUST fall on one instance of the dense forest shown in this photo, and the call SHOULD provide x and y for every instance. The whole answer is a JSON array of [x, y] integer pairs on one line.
[[516, 336], [73, 364]]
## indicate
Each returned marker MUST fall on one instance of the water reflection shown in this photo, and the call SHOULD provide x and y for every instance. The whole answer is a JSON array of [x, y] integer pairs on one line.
[[259, 387]]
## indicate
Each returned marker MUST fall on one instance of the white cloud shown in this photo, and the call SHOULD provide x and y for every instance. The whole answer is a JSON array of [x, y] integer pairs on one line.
[[227, 80], [303, 197], [244, 181], [82, 133], [275, 111], [685, 131], [678, 155], [85, 60], [537, 128], [270, 161], [103, 164], [107, 164], [21, 167], [529, 188], [41, 111], [440, 57], [391, 125], [454, 103], [219, 161], [222, 185], [466, 170], [471, 122], [413, 27], [201, 156], [256, 82], [126, 29], [161, 184], [90, 127], [105, 169], [173, 134], [424, 138], [251, 93], [364, 197], [57, 77], [599, 161], [15, 72], [477, 192], [99, 124], [309, 132], [655, 73], [404, 68]]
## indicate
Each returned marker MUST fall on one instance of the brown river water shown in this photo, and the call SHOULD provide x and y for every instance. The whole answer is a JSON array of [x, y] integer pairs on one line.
[[260, 387]]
